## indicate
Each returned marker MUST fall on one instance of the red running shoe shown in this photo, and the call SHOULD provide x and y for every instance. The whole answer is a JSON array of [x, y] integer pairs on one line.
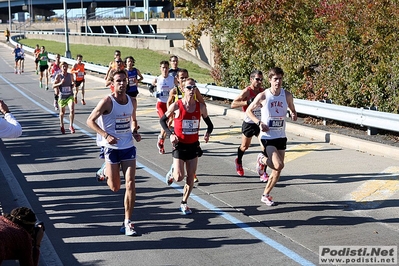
[[239, 169], [72, 129]]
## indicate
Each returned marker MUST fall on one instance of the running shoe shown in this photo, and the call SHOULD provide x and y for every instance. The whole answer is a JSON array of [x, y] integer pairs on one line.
[[239, 169], [83, 102], [160, 145], [46, 88], [16, 72], [56, 105], [260, 167], [75, 99], [264, 177], [40, 84], [22, 71], [268, 200], [72, 129], [196, 179], [37, 72], [169, 176], [62, 130], [129, 229], [185, 209], [100, 174]]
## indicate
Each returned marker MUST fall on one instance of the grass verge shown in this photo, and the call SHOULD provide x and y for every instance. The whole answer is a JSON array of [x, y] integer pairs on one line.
[[147, 61]]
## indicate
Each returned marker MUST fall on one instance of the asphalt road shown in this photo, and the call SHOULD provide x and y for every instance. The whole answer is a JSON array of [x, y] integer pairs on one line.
[[327, 195]]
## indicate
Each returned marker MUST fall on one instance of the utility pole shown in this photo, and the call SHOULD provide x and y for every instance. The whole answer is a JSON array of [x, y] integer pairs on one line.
[[67, 52]]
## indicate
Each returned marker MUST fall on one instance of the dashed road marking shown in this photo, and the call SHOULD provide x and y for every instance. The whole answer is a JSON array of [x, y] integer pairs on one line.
[[374, 192], [300, 150]]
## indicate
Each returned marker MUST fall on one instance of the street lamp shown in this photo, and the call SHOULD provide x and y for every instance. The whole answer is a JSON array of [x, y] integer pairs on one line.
[[9, 15], [67, 52]]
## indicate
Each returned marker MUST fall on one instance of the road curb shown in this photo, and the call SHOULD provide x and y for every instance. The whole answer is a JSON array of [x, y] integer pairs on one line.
[[369, 147]]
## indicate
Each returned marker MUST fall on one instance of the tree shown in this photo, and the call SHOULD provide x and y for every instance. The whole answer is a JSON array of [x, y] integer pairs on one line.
[[344, 49]]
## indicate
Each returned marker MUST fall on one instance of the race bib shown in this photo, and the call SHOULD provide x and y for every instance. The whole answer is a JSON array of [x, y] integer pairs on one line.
[[122, 125], [276, 123], [81, 74], [66, 90], [190, 127]]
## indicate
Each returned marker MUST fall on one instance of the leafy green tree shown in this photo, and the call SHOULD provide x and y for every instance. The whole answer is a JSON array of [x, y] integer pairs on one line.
[[344, 50]]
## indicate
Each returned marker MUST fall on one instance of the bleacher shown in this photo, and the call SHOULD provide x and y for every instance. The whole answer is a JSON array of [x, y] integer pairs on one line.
[[121, 29]]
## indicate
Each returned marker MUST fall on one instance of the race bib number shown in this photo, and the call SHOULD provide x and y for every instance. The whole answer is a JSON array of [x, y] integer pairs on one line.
[[81, 74], [132, 80], [66, 90], [276, 123], [190, 127], [122, 125]]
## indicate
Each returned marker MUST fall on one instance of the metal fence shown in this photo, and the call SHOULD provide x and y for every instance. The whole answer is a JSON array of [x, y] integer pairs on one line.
[[357, 116]]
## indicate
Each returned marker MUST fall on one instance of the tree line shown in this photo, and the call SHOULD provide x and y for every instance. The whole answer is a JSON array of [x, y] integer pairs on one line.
[[342, 50]]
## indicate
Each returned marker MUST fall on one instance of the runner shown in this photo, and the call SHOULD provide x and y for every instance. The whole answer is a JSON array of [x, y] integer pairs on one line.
[[64, 83], [54, 71], [114, 119], [164, 83], [174, 62], [249, 128], [187, 113], [178, 92], [78, 71], [36, 53], [43, 66], [134, 77], [17, 57], [22, 61], [274, 103], [114, 64]]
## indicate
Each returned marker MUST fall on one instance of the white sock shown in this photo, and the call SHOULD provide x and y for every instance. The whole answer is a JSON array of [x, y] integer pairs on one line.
[[127, 221]]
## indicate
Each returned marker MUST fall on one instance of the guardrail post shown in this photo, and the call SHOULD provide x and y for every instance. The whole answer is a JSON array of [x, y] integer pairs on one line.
[[372, 130]]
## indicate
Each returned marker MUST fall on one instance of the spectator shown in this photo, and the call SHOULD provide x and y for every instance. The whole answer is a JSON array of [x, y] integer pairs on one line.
[[9, 126], [20, 237], [7, 35]]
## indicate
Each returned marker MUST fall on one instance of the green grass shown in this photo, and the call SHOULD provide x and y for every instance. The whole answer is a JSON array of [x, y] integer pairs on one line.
[[147, 61]]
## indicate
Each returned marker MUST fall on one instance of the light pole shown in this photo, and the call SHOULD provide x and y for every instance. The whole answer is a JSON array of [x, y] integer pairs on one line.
[[67, 52], [9, 15]]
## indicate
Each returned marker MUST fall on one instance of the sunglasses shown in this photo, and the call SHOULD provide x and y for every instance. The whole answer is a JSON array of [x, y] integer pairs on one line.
[[119, 61], [258, 79], [191, 87]]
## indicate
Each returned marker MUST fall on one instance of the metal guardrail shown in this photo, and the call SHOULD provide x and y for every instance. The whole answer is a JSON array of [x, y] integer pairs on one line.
[[114, 35], [357, 116]]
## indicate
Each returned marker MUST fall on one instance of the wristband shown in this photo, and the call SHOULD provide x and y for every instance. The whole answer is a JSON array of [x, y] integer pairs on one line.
[[259, 123], [106, 136]]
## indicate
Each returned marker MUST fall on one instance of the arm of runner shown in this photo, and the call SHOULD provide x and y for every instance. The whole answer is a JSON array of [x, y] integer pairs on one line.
[[204, 113], [240, 100], [291, 106], [257, 102], [103, 107], [173, 108]]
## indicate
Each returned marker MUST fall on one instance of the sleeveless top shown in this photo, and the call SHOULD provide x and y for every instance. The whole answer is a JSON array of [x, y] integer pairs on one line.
[[17, 53], [55, 69], [118, 124], [66, 87], [274, 110], [164, 86], [187, 124], [257, 111], [43, 62], [132, 75], [79, 70]]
